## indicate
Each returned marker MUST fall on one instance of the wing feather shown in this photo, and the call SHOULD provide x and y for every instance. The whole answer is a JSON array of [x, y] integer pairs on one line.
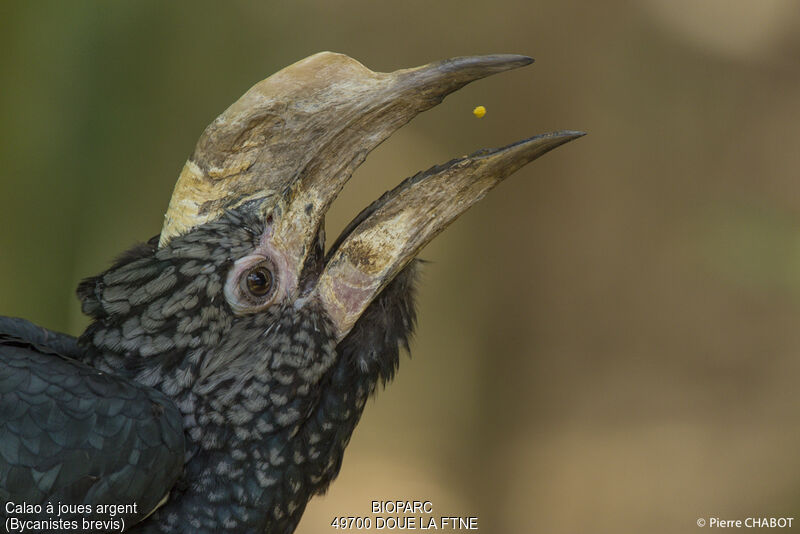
[[72, 434]]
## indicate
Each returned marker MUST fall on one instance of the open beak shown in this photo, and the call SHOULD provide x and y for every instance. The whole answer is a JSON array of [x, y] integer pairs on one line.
[[292, 142]]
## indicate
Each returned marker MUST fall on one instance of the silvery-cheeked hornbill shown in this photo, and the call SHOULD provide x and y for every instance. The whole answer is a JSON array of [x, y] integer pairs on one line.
[[230, 358]]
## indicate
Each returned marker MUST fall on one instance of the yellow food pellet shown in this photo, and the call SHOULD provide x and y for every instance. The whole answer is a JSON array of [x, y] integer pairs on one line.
[[479, 112]]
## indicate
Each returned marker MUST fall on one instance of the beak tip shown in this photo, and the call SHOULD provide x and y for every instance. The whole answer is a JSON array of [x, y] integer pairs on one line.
[[565, 136], [574, 134], [512, 60], [554, 139], [539, 144], [451, 74], [526, 60], [492, 64]]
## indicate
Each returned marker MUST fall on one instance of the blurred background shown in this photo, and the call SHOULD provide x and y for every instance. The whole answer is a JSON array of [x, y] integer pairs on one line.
[[608, 343]]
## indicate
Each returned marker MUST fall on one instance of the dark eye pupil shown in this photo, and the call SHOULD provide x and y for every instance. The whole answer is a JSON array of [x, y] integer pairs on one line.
[[259, 281]]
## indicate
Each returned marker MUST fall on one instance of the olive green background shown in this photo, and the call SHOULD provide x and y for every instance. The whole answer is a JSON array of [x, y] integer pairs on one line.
[[608, 343]]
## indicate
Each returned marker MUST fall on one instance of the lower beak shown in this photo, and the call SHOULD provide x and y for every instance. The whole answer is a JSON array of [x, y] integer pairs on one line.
[[387, 235]]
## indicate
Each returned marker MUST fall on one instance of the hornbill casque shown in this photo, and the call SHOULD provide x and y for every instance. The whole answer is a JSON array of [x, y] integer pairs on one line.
[[230, 357]]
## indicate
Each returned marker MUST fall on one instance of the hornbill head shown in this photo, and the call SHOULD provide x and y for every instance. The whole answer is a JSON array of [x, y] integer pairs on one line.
[[268, 343], [288, 146]]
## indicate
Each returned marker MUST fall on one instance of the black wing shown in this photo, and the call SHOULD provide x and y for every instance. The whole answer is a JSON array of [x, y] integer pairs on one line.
[[72, 434]]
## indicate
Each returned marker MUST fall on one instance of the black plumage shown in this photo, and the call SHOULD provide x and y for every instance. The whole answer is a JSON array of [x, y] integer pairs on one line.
[[274, 387], [65, 423], [230, 358]]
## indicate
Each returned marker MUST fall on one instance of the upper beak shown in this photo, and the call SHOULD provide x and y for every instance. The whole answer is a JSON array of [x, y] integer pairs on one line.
[[301, 133], [293, 140]]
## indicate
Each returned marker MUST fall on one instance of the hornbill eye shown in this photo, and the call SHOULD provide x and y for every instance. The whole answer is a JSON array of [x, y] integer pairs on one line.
[[258, 281], [252, 285]]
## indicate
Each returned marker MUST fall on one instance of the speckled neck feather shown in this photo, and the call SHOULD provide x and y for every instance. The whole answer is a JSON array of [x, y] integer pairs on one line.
[[269, 400]]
